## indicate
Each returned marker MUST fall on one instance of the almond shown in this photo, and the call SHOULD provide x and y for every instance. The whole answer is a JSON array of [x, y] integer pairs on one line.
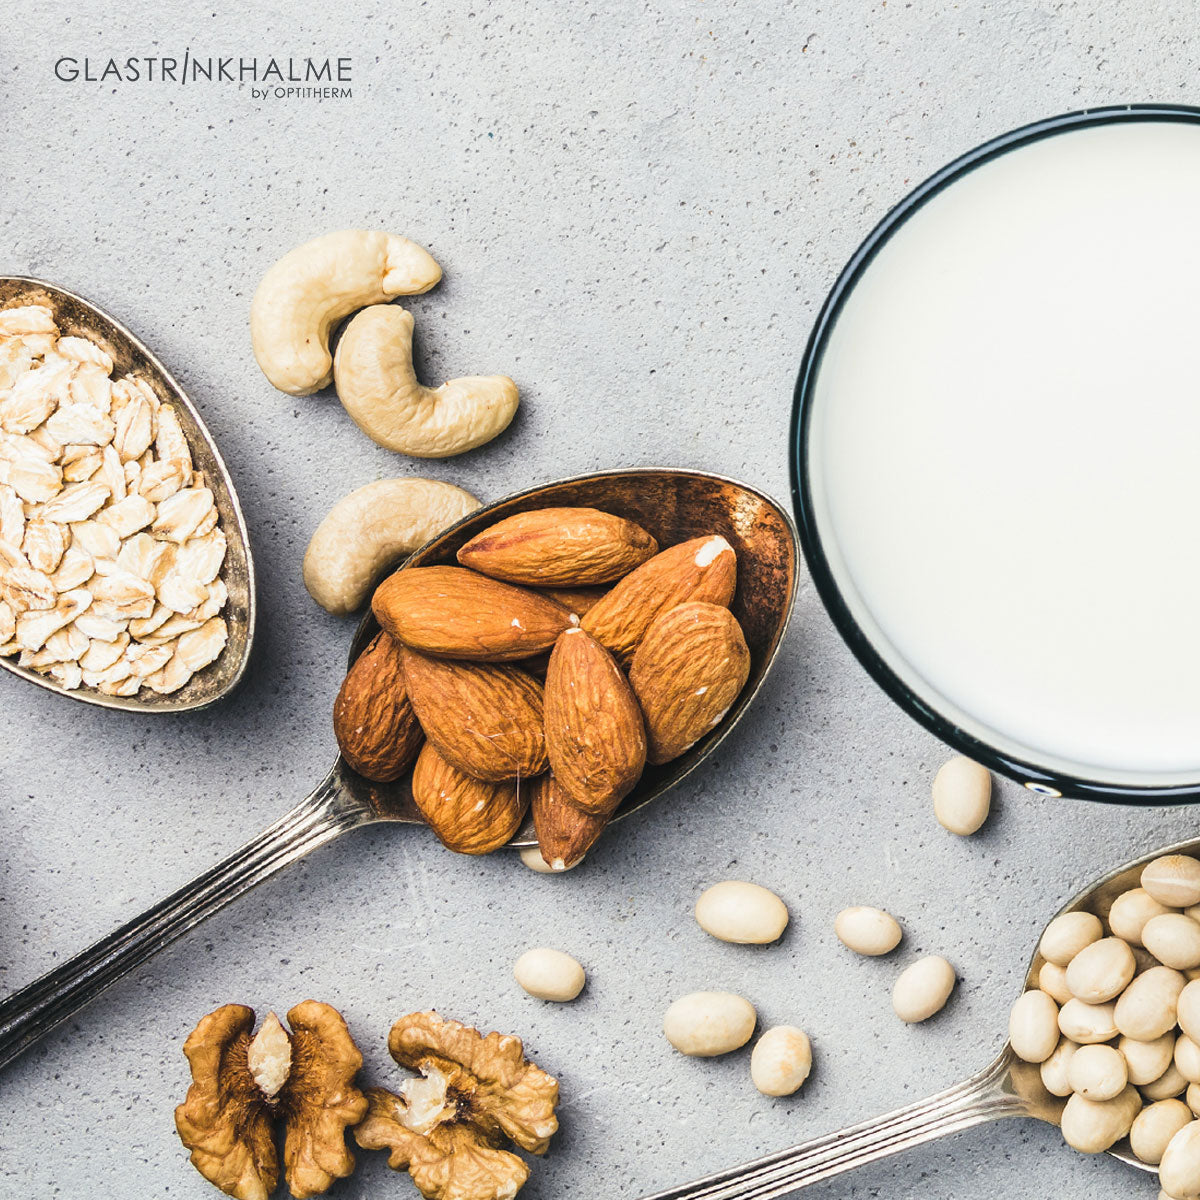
[[576, 600], [595, 737], [686, 673], [565, 832], [567, 547], [451, 612], [470, 816], [373, 721], [702, 569], [486, 721]]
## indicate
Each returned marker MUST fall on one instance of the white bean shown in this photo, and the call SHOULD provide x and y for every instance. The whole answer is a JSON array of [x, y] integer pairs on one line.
[[531, 856], [1055, 1069], [1094, 1125], [1067, 934], [1146, 1008], [1174, 940], [1097, 1072], [741, 912], [1173, 880], [962, 796], [1146, 1061], [1101, 971], [549, 974], [1052, 979], [1192, 1097], [1130, 911], [781, 1061], [704, 1024], [1187, 1058], [1169, 1083], [1155, 1126], [867, 930], [1087, 1023], [1179, 1171], [923, 989], [1033, 1027], [1187, 1010]]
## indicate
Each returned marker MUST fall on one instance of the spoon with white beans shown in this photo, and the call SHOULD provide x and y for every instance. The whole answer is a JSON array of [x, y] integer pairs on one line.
[[1104, 1043]]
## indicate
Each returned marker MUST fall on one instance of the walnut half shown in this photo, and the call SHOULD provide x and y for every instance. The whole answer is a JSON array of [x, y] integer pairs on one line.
[[242, 1086], [451, 1124]]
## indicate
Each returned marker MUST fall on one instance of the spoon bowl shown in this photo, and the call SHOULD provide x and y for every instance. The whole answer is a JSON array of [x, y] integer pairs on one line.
[[674, 506], [77, 317]]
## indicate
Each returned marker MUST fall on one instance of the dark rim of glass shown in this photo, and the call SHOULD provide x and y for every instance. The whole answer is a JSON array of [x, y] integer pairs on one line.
[[1036, 778]]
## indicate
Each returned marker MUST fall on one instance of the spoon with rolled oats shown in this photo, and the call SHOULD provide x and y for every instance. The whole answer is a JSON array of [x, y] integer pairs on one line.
[[125, 572]]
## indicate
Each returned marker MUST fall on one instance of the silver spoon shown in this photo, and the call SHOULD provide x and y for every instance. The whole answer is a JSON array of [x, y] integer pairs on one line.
[[1005, 1088], [78, 317], [674, 505]]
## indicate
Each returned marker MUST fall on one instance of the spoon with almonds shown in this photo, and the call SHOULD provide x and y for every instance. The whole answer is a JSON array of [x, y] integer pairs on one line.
[[673, 505]]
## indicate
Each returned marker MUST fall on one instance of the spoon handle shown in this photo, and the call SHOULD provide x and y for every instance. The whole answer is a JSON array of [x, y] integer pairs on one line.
[[32, 1012], [983, 1097]]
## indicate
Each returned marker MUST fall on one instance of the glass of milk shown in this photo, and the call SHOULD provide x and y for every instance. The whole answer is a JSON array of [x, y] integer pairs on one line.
[[997, 454]]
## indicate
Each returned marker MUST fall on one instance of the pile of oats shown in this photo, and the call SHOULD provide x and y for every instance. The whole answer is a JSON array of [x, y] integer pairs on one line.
[[110, 553]]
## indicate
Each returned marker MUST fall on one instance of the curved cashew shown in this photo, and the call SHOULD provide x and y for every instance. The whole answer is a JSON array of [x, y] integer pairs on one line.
[[313, 286], [373, 371], [367, 532]]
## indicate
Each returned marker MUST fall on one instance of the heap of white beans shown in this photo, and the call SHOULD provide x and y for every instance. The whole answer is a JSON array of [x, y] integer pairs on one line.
[[1115, 1023]]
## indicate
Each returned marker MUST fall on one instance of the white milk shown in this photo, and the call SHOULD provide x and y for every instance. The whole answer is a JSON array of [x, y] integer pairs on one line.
[[1005, 452]]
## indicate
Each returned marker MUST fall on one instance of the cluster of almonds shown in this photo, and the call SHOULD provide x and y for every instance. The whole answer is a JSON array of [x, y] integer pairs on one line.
[[1115, 1023], [110, 553], [449, 1125], [458, 666]]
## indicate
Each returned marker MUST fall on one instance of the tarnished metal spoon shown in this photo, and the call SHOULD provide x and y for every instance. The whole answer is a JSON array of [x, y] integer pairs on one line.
[[77, 317], [1005, 1088], [674, 505]]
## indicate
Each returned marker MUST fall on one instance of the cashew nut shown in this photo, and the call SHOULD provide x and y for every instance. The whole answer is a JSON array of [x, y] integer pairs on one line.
[[367, 532], [312, 287], [373, 371]]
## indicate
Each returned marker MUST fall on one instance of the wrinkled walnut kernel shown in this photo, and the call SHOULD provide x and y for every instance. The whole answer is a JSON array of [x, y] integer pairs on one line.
[[449, 1126], [242, 1085]]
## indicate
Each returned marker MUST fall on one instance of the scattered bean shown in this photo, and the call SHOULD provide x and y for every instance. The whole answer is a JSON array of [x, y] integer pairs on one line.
[[531, 856], [1145, 1010], [781, 1061], [1097, 1072], [1067, 934], [1174, 940], [1146, 1061], [704, 1024], [1155, 1126], [549, 974], [1173, 880], [962, 796], [1094, 1125], [866, 930], [1101, 971], [1179, 1171], [1087, 1023], [741, 912], [1192, 1097], [923, 989], [1033, 1027]]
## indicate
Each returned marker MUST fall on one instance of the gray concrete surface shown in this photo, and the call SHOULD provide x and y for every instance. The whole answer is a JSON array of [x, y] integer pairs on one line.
[[639, 207]]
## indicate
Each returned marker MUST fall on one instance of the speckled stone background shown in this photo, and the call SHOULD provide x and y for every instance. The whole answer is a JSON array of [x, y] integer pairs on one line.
[[639, 207]]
